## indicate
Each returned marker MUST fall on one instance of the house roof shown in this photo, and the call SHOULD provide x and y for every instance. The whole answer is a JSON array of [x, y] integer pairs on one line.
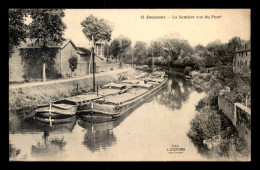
[[31, 44], [82, 50]]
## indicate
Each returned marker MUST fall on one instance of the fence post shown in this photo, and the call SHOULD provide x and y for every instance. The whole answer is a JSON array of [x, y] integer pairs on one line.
[[235, 114]]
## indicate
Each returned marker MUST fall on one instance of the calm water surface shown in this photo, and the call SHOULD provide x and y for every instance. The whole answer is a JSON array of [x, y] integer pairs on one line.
[[152, 132]]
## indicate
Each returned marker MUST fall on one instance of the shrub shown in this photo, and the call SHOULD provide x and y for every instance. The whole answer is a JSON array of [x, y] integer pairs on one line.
[[205, 125], [73, 61]]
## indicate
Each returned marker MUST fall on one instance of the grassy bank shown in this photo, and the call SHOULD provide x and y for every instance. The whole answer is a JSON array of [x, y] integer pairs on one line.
[[30, 97], [211, 131]]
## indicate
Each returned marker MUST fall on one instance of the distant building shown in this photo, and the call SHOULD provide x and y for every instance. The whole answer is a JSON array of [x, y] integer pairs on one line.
[[85, 56], [99, 49], [242, 59]]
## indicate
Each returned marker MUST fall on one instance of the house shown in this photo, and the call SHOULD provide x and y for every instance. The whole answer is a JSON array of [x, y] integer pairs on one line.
[[242, 59], [83, 62], [26, 62]]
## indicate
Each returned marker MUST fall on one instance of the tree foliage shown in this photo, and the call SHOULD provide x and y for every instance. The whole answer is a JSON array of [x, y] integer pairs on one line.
[[17, 28], [47, 26], [205, 125], [125, 45], [155, 49], [73, 61], [32, 65], [140, 50], [114, 48], [100, 29], [120, 47], [176, 48], [106, 50]]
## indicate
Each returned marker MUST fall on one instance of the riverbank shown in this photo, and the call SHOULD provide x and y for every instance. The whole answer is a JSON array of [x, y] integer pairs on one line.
[[28, 96], [212, 131]]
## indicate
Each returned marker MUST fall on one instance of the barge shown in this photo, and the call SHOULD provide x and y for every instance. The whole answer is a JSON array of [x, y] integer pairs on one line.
[[131, 93]]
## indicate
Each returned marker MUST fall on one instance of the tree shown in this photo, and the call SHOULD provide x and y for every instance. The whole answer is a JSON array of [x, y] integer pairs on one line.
[[125, 46], [106, 50], [17, 28], [120, 47], [235, 42], [176, 48], [46, 28], [100, 29], [73, 61], [212, 45], [199, 47], [114, 48], [140, 52], [96, 30], [155, 50]]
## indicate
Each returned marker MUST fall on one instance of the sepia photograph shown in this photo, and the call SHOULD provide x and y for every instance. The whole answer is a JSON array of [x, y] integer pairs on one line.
[[129, 85]]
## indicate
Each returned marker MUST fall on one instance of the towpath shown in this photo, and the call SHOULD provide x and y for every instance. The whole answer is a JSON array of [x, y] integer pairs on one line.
[[15, 86]]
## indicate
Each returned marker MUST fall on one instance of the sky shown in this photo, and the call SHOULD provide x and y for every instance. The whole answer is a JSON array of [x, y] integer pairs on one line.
[[128, 22]]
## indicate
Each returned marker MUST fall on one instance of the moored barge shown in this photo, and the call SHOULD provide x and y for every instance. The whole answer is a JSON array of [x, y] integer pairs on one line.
[[132, 93]]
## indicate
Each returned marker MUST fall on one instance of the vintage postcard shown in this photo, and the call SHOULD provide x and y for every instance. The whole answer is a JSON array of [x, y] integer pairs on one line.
[[129, 84]]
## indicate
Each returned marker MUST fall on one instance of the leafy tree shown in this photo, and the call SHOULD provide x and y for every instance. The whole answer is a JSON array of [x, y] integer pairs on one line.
[[176, 48], [29, 60], [120, 47], [46, 28], [155, 50], [212, 45], [140, 52], [114, 48], [235, 42], [106, 50], [125, 46], [100, 29], [199, 47], [17, 28], [73, 61], [96, 30]]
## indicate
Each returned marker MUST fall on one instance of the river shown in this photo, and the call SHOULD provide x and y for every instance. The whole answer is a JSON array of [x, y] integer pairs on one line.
[[155, 131]]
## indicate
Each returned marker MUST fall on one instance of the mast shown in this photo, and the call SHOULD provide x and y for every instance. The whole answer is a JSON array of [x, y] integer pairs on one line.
[[93, 58]]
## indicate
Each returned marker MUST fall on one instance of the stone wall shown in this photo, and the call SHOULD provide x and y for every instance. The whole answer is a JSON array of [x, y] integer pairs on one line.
[[242, 115], [226, 107]]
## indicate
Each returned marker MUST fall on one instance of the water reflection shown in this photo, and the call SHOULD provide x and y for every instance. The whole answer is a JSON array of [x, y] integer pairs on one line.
[[48, 146], [176, 94], [48, 142], [100, 135]]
